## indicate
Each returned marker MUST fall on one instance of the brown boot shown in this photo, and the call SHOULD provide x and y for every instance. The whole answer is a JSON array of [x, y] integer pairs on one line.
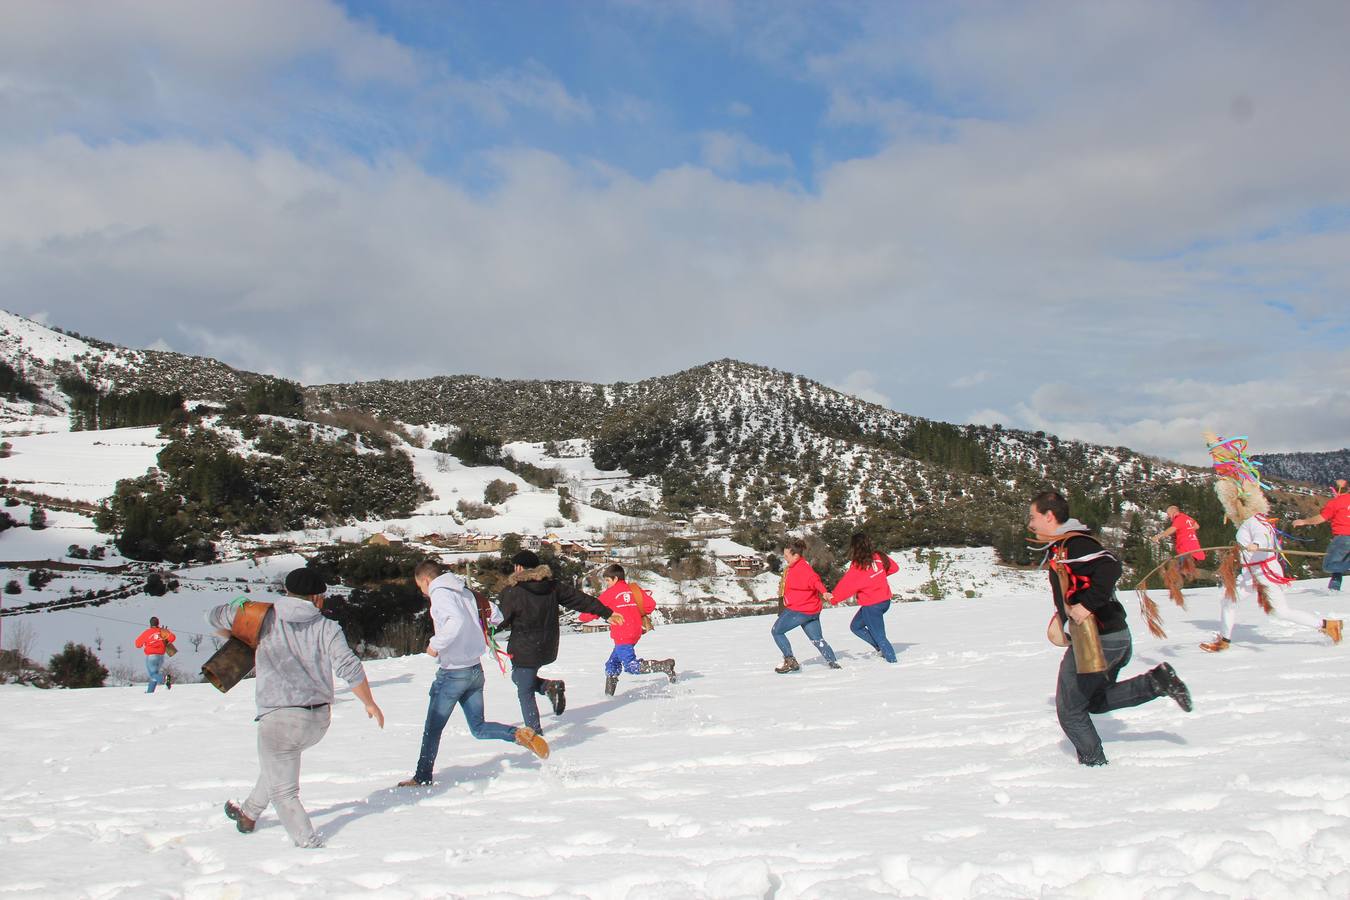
[[789, 665], [241, 821], [1219, 643], [535, 743], [1332, 629]]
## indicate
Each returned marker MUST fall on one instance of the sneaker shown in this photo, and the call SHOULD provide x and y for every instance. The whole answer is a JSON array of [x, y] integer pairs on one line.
[[667, 666], [168, 682], [1219, 644], [527, 738], [1166, 680], [236, 813], [834, 664], [789, 665], [415, 782], [1332, 629], [611, 685], [1335, 583], [556, 692]]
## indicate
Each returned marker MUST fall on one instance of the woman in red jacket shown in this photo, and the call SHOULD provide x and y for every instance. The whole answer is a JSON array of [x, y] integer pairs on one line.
[[866, 578], [802, 594]]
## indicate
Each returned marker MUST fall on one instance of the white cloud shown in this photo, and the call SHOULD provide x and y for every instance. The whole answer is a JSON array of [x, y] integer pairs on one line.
[[730, 153], [863, 385], [532, 88], [1093, 214], [739, 110], [109, 65], [970, 379]]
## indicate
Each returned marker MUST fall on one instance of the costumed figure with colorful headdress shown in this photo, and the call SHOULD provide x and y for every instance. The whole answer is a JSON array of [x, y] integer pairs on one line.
[[1255, 569]]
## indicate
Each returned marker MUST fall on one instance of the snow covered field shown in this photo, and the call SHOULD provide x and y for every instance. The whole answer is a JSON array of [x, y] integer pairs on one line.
[[945, 775], [80, 465]]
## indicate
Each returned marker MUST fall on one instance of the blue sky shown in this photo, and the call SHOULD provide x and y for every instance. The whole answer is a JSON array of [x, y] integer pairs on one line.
[[1123, 222]]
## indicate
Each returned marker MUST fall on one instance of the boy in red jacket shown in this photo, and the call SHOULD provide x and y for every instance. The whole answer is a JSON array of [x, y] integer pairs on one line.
[[867, 578], [152, 640], [632, 604], [802, 594]]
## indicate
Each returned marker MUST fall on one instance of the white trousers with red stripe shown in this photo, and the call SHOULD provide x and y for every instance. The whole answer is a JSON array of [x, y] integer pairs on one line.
[[1279, 606]]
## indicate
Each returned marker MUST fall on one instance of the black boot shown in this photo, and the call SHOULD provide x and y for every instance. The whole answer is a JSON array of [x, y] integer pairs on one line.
[[1166, 681], [789, 665], [555, 691], [667, 666], [611, 684]]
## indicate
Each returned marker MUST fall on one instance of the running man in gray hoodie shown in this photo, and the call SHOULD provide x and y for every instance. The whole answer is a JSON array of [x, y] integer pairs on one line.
[[298, 652]]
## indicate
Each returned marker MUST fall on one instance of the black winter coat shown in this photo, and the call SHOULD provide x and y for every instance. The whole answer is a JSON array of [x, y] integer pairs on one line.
[[1099, 594], [530, 606]]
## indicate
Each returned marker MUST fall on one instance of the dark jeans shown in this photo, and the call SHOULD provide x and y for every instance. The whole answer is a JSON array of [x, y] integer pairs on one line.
[[870, 625], [463, 687], [1076, 696], [1337, 561], [528, 683], [789, 619]]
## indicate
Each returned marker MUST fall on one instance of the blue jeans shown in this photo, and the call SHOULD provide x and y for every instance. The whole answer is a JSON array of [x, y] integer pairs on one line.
[[1337, 561], [465, 687], [528, 683], [154, 664], [624, 657], [870, 625], [789, 619]]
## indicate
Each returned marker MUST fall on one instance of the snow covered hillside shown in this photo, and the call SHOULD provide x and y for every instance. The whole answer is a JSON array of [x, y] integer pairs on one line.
[[945, 775]]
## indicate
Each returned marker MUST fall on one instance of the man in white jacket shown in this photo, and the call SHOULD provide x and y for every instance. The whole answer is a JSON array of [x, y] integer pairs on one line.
[[457, 645]]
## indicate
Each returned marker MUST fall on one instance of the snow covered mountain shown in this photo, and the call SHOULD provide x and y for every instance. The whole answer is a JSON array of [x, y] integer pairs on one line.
[[1319, 469], [42, 355], [757, 444]]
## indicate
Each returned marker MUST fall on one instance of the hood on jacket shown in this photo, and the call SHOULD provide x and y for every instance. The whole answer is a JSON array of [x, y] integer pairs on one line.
[[1071, 525], [293, 609], [525, 576], [450, 581]]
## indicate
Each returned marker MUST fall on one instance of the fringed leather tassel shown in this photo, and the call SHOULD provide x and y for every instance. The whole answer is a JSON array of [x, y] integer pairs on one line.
[[1228, 566], [1262, 599], [1171, 579], [1149, 610]]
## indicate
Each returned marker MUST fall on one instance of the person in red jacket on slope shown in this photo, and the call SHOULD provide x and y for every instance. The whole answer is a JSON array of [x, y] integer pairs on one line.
[[152, 641], [1186, 534], [633, 604], [867, 579], [803, 592]]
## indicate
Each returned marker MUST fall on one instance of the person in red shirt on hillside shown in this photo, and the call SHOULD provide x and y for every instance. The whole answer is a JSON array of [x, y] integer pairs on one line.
[[1186, 536], [626, 631], [867, 578], [803, 592], [1337, 511], [152, 640]]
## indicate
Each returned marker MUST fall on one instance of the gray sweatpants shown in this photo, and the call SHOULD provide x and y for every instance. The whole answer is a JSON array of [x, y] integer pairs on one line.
[[282, 735], [1077, 696]]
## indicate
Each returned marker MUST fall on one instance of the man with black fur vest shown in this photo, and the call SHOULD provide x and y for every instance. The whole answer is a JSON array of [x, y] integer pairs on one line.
[[1083, 577], [530, 607]]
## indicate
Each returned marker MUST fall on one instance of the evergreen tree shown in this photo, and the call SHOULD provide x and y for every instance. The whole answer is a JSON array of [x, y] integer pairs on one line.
[[76, 666]]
